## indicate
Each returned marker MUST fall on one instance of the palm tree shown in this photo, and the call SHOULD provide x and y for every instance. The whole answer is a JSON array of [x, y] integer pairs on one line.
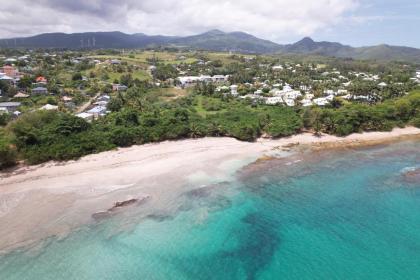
[[194, 131], [215, 129]]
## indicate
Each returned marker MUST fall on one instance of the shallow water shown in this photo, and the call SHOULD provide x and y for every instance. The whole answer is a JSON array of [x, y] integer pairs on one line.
[[332, 215]]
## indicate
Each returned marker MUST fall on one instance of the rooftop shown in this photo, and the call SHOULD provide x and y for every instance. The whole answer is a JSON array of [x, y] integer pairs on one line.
[[10, 104]]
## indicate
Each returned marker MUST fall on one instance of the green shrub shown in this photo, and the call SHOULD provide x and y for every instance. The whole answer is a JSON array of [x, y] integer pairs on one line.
[[8, 154]]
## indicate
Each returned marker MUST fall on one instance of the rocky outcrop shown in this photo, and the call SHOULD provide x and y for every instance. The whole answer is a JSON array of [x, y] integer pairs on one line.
[[119, 205]]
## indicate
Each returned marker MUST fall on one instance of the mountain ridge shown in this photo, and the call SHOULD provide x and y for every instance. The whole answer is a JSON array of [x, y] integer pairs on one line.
[[212, 40]]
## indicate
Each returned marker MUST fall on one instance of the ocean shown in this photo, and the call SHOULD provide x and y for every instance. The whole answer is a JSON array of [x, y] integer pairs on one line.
[[348, 214]]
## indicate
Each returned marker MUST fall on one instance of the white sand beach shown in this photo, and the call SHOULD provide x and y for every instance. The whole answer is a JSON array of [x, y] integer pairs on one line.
[[52, 199]]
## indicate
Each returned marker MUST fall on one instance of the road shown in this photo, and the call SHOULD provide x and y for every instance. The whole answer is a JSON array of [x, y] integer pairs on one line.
[[87, 104]]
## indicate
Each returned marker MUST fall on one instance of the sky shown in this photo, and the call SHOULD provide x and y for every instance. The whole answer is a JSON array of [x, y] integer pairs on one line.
[[352, 22]]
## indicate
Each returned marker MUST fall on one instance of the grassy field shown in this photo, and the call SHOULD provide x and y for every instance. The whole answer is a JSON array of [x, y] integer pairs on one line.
[[141, 58], [168, 94], [226, 58]]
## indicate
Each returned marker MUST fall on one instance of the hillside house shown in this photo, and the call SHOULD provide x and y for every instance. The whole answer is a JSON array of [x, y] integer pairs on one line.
[[289, 102], [321, 101], [7, 79], [9, 106], [98, 111], [273, 100], [40, 91], [220, 78], [9, 71], [49, 107], [21, 95], [306, 102], [115, 62], [41, 80], [234, 90], [118, 87], [86, 116]]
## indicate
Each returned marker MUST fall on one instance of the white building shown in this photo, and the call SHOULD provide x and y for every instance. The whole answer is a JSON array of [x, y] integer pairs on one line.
[[85, 116], [234, 90], [330, 97], [329, 92], [273, 100], [309, 96], [49, 107], [321, 101], [342, 92], [290, 102], [220, 78], [189, 80], [294, 94], [305, 88], [306, 102]]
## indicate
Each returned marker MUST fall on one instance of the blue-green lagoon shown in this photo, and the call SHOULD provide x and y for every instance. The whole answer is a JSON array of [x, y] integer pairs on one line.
[[349, 214]]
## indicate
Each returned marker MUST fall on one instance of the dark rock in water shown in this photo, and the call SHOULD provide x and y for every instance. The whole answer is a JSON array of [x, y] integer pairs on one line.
[[118, 205], [412, 176], [124, 203], [205, 191]]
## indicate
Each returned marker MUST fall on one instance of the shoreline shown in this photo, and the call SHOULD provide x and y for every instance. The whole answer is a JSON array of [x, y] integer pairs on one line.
[[55, 198]]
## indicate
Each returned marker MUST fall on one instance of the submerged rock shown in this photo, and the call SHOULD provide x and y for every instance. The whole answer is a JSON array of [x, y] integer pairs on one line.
[[125, 203], [412, 176], [119, 205]]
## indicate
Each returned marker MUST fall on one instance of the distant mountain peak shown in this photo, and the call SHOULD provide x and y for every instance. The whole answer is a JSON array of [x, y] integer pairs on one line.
[[214, 32], [307, 40]]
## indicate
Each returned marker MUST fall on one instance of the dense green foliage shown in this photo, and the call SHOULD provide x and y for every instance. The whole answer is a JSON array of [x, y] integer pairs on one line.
[[139, 116], [8, 154], [46, 135], [355, 117]]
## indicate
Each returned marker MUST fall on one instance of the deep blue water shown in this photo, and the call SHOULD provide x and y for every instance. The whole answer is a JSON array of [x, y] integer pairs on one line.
[[352, 214]]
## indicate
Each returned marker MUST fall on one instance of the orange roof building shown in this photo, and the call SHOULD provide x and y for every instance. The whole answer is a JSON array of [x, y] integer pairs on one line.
[[41, 79]]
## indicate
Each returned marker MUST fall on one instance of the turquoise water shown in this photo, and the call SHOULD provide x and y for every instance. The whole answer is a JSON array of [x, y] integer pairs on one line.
[[332, 215]]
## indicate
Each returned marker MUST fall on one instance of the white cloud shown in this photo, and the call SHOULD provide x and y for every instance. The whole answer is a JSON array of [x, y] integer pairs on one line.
[[276, 20]]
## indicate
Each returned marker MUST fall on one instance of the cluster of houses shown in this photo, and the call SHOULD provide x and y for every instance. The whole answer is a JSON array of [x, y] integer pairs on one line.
[[12, 108], [333, 84], [289, 96], [10, 74], [186, 81], [97, 109]]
